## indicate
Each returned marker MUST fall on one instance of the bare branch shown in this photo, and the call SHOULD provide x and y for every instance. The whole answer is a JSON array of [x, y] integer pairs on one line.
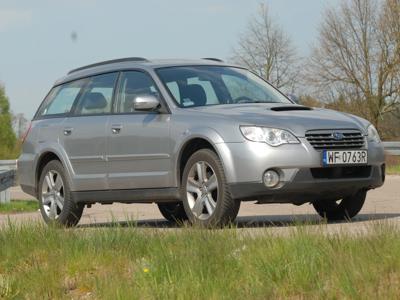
[[266, 50], [358, 55]]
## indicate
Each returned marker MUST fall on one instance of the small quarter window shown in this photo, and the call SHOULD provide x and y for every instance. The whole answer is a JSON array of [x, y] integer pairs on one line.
[[61, 98]]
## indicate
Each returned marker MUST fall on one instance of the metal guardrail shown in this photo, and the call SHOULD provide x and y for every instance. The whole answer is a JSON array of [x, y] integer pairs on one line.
[[392, 148], [7, 179], [8, 164]]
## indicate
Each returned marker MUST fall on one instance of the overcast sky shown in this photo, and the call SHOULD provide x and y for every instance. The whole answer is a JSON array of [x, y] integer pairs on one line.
[[38, 44]]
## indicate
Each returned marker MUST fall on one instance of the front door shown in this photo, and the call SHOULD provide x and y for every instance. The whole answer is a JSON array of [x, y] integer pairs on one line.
[[138, 151]]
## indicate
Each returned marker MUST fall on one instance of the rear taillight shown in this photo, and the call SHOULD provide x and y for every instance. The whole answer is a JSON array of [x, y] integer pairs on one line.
[[26, 133]]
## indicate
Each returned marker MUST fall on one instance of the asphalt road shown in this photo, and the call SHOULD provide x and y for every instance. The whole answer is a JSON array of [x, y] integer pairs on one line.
[[381, 204]]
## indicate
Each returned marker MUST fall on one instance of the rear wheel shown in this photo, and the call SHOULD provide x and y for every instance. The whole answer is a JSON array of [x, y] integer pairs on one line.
[[205, 193], [55, 200], [173, 212], [342, 209]]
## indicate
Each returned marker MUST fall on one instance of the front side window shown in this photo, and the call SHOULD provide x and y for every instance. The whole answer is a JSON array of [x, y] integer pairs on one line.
[[96, 97], [61, 98], [133, 84], [193, 86]]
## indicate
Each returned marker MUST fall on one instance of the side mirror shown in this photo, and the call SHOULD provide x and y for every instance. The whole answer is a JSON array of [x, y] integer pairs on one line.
[[146, 103]]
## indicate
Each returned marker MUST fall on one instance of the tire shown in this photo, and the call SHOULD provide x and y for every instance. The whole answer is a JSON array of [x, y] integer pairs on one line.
[[56, 205], [346, 209], [174, 212], [216, 206]]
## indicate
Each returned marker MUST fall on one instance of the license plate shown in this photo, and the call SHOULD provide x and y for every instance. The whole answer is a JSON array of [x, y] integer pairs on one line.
[[344, 157]]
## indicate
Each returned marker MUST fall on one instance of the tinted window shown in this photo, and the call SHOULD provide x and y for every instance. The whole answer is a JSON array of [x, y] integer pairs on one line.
[[132, 85], [96, 97], [209, 85], [61, 98]]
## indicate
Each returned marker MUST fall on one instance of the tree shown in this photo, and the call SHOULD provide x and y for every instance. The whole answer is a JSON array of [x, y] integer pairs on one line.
[[265, 49], [20, 124], [310, 101], [7, 136], [391, 126], [358, 57]]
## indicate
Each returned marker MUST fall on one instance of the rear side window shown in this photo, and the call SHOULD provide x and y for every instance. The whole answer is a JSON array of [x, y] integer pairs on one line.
[[60, 99], [96, 97]]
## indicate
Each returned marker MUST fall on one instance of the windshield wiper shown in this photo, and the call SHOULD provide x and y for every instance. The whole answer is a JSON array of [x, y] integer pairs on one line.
[[254, 101]]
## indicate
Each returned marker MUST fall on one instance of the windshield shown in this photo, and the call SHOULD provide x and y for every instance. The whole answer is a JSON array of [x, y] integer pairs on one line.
[[193, 86]]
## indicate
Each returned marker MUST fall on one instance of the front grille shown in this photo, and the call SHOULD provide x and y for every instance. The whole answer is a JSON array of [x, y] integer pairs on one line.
[[341, 172], [345, 139]]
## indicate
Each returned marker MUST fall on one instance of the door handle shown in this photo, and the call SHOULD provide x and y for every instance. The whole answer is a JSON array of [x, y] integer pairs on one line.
[[116, 129], [67, 131]]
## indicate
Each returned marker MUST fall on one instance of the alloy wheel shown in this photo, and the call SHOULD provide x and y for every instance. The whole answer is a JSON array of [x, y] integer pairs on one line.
[[53, 194], [202, 190]]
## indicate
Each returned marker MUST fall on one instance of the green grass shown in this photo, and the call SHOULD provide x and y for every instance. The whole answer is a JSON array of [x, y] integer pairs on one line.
[[37, 262], [18, 206], [393, 170], [392, 165]]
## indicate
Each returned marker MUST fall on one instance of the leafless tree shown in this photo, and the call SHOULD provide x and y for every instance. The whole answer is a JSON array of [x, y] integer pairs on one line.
[[265, 49], [358, 56]]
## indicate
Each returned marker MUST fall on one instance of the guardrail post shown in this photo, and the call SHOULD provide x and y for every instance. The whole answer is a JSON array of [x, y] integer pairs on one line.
[[5, 196]]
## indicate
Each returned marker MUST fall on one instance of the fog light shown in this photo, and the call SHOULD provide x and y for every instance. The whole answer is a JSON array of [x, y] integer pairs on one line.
[[271, 178]]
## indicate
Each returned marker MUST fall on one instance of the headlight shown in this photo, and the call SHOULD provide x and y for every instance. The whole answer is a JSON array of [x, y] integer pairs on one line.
[[271, 136], [373, 135]]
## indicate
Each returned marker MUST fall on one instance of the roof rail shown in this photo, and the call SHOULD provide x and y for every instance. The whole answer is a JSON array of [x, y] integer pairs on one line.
[[213, 59], [108, 62]]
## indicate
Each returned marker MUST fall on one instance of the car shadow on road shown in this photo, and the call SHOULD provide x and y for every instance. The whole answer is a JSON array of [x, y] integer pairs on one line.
[[250, 221], [304, 219]]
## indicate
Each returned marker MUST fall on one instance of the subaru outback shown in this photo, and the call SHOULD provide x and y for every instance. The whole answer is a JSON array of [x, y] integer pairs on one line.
[[196, 137]]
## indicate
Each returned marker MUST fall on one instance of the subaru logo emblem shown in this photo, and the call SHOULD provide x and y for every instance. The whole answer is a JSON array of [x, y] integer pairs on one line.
[[337, 136]]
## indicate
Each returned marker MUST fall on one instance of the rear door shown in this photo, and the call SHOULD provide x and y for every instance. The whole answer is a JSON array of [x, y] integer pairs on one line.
[[84, 133], [138, 142], [51, 116]]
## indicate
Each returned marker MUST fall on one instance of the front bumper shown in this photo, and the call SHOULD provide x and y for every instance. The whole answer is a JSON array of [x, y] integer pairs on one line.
[[245, 164], [305, 188]]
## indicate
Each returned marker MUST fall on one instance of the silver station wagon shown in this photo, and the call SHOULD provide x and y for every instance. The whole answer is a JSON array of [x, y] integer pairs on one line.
[[196, 137]]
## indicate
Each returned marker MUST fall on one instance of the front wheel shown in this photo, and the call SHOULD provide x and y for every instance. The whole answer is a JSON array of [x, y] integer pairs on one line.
[[205, 193], [56, 205], [342, 209]]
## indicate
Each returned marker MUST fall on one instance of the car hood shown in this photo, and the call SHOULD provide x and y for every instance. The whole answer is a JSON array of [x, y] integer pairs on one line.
[[296, 118]]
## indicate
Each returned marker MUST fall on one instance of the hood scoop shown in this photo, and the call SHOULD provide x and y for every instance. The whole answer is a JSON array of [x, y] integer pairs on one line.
[[290, 107]]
